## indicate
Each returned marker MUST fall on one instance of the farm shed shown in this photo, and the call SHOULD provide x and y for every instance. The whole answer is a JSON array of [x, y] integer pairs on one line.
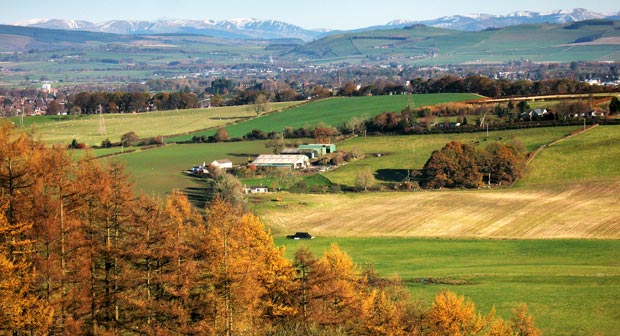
[[221, 164], [321, 148], [310, 153], [282, 161]]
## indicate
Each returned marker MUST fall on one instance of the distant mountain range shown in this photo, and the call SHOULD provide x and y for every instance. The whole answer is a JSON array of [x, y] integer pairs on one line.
[[477, 22], [230, 29], [271, 29]]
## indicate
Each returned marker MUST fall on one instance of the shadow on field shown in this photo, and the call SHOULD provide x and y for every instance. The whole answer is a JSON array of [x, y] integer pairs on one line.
[[243, 154], [196, 196], [391, 175]]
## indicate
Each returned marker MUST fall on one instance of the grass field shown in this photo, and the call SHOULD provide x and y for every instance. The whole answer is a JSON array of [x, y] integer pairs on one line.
[[336, 111], [400, 153], [56, 129], [572, 287], [593, 154]]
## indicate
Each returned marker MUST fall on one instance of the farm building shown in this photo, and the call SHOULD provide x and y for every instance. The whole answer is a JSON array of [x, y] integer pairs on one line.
[[322, 148], [310, 153], [221, 164], [282, 161]]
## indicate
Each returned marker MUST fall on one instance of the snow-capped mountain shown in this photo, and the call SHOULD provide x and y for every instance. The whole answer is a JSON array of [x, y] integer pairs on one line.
[[235, 28], [475, 22], [249, 28]]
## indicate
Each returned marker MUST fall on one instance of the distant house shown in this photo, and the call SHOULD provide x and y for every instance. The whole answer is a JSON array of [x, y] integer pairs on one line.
[[282, 161], [255, 190], [537, 113], [221, 164], [321, 148]]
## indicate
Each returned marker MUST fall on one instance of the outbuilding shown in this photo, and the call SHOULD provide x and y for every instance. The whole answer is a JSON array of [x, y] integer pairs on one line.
[[221, 164], [282, 161], [321, 148]]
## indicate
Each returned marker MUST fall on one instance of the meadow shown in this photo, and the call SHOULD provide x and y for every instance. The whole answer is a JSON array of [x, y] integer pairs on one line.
[[335, 112], [572, 287], [85, 128], [400, 153]]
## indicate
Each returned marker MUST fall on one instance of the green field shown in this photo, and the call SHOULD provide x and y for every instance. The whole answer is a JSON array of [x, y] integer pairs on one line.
[[400, 153], [85, 129], [572, 287], [593, 154], [336, 111]]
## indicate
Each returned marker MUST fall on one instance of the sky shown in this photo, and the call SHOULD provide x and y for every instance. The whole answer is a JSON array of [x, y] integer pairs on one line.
[[309, 14]]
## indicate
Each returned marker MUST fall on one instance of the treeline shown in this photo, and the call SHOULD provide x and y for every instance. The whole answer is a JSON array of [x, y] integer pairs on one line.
[[459, 165], [81, 255], [503, 88], [126, 102]]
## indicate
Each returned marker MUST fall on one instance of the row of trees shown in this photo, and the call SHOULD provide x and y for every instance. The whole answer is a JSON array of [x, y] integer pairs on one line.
[[81, 254], [459, 165], [125, 102], [502, 87]]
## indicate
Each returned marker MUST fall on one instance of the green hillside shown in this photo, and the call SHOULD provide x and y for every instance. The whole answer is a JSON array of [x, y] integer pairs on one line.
[[420, 44], [335, 112]]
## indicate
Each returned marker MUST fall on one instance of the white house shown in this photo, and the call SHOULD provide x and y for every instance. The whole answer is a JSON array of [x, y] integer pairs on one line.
[[221, 164]]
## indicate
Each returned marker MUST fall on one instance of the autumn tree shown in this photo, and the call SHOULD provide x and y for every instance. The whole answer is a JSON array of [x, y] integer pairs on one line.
[[334, 300], [228, 188], [349, 89], [53, 107], [17, 157], [364, 179], [523, 322], [21, 310], [385, 310], [451, 314], [454, 166], [216, 100], [323, 134], [260, 105], [502, 163], [59, 235], [129, 139], [244, 276], [222, 135]]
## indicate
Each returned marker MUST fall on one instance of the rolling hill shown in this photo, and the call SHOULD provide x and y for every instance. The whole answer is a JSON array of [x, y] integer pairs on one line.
[[588, 40]]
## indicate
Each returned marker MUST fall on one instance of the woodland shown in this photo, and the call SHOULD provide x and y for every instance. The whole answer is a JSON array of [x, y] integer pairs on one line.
[[81, 254]]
